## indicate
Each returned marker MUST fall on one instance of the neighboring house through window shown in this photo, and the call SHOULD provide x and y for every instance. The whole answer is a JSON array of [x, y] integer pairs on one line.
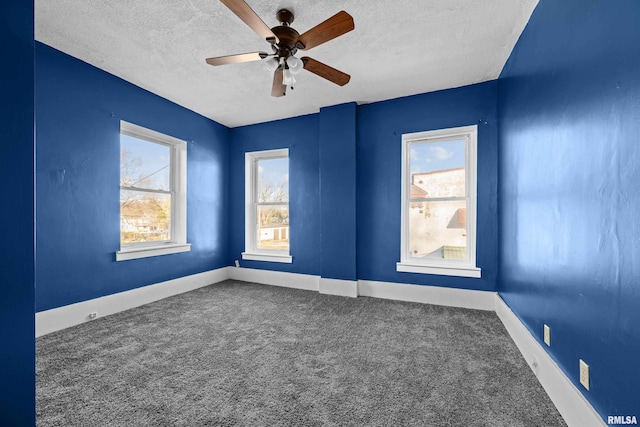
[[267, 206], [153, 193], [439, 202]]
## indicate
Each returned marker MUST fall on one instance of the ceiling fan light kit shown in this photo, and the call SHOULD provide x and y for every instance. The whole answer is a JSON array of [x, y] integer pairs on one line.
[[295, 64], [270, 63], [285, 43]]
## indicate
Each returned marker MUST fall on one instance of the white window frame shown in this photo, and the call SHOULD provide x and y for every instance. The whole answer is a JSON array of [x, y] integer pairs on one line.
[[464, 268], [252, 252], [178, 189]]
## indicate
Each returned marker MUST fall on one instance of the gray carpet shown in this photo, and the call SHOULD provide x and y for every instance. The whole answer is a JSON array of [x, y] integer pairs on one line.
[[236, 353]]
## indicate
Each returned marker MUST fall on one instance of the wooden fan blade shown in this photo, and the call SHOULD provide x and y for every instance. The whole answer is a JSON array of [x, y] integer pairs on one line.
[[249, 17], [234, 59], [278, 89], [325, 71], [337, 25]]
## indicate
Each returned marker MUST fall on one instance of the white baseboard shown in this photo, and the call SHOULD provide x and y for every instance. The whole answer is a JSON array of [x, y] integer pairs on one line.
[[453, 297], [344, 288], [276, 278], [572, 405], [465, 298], [74, 314]]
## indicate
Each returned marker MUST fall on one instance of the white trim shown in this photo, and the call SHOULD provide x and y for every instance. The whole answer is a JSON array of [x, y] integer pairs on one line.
[[179, 166], [250, 195], [407, 262], [572, 405], [178, 193], [276, 278], [74, 314], [452, 297], [345, 288], [267, 257], [141, 132], [442, 271], [149, 251]]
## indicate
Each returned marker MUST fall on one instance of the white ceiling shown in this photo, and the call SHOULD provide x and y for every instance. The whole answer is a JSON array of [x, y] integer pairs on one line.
[[398, 48]]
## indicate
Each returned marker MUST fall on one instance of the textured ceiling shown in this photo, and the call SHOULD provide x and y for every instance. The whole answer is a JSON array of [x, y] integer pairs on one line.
[[398, 48]]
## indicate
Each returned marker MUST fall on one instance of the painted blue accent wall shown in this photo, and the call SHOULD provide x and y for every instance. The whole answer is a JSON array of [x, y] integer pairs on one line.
[[338, 191], [345, 196], [569, 115], [17, 263], [78, 111], [379, 153], [300, 136]]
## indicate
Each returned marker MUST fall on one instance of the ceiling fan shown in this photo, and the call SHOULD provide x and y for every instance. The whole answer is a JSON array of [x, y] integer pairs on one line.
[[285, 42]]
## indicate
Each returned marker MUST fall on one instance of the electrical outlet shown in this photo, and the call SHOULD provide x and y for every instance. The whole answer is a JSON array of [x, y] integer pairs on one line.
[[237, 263], [584, 374], [547, 335], [93, 315]]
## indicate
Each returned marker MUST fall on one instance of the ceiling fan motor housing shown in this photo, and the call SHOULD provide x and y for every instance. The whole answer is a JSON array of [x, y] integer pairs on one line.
[[287, 35]]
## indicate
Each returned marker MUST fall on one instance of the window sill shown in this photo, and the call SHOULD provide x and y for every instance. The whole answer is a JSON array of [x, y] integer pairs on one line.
[[149, 251], [287, 259], [442, 271]]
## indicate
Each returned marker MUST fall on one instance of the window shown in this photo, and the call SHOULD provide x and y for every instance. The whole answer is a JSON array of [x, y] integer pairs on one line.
[[439, 202], [153, 193], [267, 206]]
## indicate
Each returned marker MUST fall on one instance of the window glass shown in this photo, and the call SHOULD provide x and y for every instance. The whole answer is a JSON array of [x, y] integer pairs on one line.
[[273, 208], [437, 228], [273, 180], [273, 227], [437, 168], [439, 202], [267, 206], [145, 196]]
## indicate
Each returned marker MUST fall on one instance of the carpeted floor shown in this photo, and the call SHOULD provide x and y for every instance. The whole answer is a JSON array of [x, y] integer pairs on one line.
[[236, 353]]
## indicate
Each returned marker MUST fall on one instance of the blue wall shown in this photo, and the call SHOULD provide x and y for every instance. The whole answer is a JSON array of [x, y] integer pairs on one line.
[[379, 152], [300, 136], [17, 274], [569, 101], [345, 165], [566, 112], [78, 112], [338, 192]]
